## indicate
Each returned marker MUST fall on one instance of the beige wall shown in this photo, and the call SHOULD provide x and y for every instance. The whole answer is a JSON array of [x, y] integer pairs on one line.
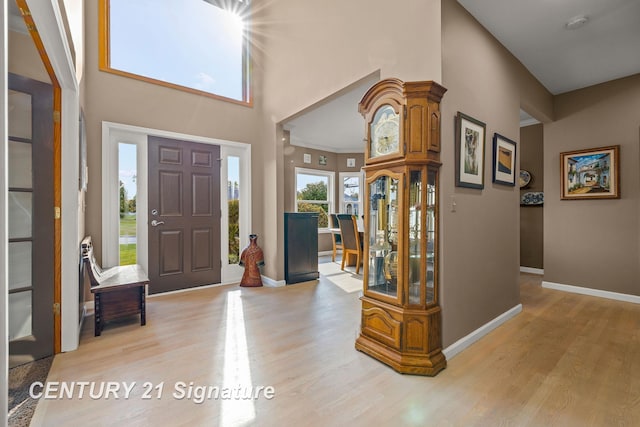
[[24, 58], [123, 100], [531, 218], [480, 240], [315, 49], [594, 243]]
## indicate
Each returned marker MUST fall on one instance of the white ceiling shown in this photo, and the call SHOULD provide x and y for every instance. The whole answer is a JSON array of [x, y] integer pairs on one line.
[[607, 47], [333, 124]]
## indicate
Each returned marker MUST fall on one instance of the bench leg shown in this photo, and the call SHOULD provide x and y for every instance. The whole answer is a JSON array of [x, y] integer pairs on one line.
[[97, 315]]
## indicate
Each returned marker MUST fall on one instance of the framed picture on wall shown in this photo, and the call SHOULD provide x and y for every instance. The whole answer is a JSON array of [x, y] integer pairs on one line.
[[504, 160], [469, 148], [593, 173]]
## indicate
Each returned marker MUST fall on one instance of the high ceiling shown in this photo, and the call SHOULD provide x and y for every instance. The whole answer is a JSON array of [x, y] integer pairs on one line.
[[604, 48], [333, 124]]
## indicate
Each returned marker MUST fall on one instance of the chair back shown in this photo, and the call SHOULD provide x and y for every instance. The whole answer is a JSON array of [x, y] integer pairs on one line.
[[349, 232], [335, 224]]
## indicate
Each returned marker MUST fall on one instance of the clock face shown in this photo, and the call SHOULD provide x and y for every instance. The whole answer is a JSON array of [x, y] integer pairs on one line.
[[385, 132]]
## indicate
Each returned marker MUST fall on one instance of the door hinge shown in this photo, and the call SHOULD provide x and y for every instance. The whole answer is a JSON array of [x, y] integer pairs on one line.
[[56, 309], [56, 212], [56, 116]]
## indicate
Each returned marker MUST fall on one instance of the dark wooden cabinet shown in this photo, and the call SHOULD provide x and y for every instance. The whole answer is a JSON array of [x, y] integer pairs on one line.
[[300, 247]]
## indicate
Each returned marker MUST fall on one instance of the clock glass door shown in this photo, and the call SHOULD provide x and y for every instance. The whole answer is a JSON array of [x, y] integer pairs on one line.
[[383, 234], [385, 132]]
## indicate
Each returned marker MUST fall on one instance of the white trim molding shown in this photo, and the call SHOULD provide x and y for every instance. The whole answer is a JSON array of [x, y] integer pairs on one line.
[[48, 20], [4, 230], [532, 270], [272, 283], [464, 342], [635, 299]]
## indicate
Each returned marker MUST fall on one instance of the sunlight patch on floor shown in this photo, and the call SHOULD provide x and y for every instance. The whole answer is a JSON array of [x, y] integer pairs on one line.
[[346, 280], [237, 370]]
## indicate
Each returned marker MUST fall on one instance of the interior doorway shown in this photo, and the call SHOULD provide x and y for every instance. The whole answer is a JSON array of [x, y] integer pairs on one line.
[[531, 183]]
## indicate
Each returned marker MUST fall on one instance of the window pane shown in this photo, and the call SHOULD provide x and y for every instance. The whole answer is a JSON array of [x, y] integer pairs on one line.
[[20, 170], [312, 187], [19, 114], [20, 214], [20, 315], [127, 158], [190, 43], [233, 197], [19, 265]]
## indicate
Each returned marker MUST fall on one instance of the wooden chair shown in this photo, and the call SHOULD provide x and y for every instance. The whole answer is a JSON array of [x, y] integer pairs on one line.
[[351, 244], [336, 238]]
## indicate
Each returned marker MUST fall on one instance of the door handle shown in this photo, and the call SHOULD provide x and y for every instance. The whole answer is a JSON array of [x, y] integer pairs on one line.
[[155, 223]]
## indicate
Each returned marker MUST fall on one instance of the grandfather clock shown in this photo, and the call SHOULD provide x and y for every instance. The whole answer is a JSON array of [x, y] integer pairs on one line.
[[401, 320]]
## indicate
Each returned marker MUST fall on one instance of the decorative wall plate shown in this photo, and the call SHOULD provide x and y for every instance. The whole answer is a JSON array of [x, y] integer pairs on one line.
[[524, 178], [532, 198]]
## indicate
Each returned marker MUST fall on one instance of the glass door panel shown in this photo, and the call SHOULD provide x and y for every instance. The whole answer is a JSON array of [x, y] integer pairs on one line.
[[415, 235], [431, 220], [19, 114], [20, 213], [20, 315], [20, 169], [383, 236], [19, 265]]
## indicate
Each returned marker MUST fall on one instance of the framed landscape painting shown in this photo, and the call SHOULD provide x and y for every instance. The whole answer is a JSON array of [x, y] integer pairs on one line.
[[504, 160], [590, 174], [469, 148]]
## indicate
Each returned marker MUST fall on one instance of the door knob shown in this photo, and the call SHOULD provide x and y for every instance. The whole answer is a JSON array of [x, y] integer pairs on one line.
[[155, 223]]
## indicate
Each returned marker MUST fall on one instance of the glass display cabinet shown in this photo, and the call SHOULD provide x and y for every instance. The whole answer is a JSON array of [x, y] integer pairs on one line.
[[401, 318]]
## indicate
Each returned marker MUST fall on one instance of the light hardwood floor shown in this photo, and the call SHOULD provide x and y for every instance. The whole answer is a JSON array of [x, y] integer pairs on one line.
[[566, 360]]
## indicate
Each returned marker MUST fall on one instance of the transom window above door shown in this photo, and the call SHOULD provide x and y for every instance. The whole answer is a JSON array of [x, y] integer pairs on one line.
[[200, 46]]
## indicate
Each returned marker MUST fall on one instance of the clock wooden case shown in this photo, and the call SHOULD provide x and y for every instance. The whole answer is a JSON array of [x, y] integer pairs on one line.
[[401, 317]]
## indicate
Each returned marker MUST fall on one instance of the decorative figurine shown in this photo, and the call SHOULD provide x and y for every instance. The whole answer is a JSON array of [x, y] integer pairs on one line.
[[251, 258]]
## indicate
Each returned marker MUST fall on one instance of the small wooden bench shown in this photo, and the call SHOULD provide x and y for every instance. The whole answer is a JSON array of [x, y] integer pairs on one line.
[[118, 291]]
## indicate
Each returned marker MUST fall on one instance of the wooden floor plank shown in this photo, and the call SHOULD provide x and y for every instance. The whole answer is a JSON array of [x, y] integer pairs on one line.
[[566, 360]]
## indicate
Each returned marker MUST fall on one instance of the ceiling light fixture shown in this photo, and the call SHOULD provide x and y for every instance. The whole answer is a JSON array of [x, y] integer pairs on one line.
[[576, 22]]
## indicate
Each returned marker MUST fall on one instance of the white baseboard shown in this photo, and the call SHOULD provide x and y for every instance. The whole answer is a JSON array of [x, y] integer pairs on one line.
[[532, 270], [464, 342], [592, 292], [272, 283], [325, 253]]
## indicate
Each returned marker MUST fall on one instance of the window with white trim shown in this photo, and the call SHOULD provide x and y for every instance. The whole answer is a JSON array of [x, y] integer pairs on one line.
[[200, 46], [314, 193], [350, 187]]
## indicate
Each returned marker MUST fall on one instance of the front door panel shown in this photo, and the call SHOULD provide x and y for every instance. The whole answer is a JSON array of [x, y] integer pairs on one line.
[[184, 214]]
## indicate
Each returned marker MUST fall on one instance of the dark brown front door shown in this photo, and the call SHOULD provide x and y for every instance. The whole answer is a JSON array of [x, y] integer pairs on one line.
[[184, 214], [31, 219]]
